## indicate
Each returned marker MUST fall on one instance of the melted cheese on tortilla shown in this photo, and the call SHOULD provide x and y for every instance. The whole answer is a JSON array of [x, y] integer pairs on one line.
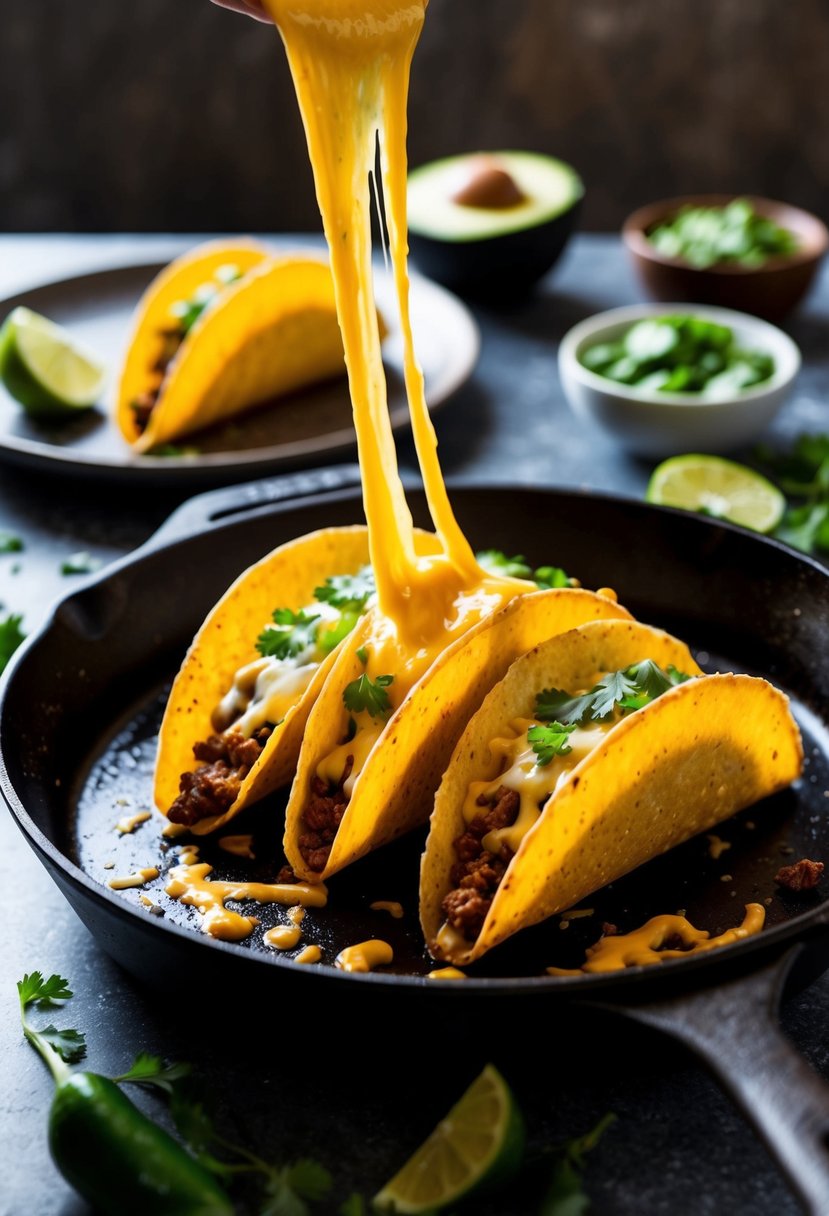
[[350, 61]]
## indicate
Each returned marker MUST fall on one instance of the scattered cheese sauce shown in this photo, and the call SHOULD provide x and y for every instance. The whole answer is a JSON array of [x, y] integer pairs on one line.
[[296, 915], [350, 60], [282, 937], [138, 879], [717, 847], [191, 885], [645, 946], [535, 783], [311, 954], [365, 956], [171, 830], [238, 846], [394, 909], [446, 973], [130, 822]]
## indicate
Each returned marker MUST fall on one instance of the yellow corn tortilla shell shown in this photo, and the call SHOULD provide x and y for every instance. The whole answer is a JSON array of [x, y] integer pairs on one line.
[[176, 282], [693, 757], [287, 578], [393, 794]]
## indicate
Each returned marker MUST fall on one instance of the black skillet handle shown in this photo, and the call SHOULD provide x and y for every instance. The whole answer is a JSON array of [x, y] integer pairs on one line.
[[734, 1028], [200, 512]]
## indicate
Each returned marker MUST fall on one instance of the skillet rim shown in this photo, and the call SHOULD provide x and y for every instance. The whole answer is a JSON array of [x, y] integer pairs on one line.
[[567, 987]]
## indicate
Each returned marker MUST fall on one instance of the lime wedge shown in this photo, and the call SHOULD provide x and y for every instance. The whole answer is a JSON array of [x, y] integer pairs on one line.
[[479, 1144], [717, 487], [44, 368]]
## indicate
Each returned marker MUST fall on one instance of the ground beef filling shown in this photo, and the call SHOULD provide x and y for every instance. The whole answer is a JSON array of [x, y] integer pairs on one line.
[[144, 404], [321, 819], [213, 787], [477, 873], [804, 875]]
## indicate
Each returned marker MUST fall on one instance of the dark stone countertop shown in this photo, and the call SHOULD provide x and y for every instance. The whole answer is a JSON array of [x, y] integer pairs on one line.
[[678, 1149]]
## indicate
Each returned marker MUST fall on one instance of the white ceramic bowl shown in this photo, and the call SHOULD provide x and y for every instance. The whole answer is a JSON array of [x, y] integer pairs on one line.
[[666, 424]]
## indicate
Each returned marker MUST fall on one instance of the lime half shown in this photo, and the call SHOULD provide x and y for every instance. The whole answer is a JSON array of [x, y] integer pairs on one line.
[[479, 1144], [718, 487], [44, 368]]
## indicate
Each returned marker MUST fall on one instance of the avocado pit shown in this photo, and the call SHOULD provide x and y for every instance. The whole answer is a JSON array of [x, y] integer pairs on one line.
[[489, 186]]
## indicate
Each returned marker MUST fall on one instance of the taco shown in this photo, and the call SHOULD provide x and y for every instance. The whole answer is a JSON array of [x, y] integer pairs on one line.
[[222, 329], [378, 742], [234, 721], [599, 750]]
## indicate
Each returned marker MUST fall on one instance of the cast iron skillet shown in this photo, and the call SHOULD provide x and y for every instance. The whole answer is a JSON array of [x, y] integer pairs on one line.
[[80, 704]]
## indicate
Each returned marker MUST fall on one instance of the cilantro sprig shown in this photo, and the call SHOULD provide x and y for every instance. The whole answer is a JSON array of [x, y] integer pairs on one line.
[[550, 741], [565, 1194], [291, 634], [348, 592], [58, 1048], [545, 577], [11, 636], [629, 689], [365, 695]]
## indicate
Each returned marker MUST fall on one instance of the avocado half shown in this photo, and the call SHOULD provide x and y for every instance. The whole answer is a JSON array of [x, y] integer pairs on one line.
[[492, 223]]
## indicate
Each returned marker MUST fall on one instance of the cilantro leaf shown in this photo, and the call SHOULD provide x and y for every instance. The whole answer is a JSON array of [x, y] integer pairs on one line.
[[805, 528], [566, 1195], [495, 562], [291, 633], [545, 577], [351, 591], [70, 1045], [11, 636], [549, 578], [35, 990], [629, 689], [193, 1123], [365, 695], [9, 543], [550, 741], [151, 1070], [290, 1186], [80, 563]]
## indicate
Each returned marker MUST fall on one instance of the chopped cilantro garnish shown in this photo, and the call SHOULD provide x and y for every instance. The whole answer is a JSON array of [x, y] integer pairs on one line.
[[80, 563], [630, 689], [365, 695], [550, 741], [9, 543], [349, 592], [328, 638], [545, 577], [362, 655], [291, 633], [11, 636]]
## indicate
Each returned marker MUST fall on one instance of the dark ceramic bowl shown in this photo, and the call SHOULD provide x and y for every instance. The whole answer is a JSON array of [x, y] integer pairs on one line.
[[771, 290]]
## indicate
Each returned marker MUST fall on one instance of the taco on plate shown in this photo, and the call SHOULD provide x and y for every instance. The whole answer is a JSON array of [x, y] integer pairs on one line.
[[378, 740], [600, 749], [222, 329]]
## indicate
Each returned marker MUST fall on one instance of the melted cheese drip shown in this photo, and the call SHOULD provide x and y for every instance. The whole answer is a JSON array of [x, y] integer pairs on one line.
[[446, 973], [311, 954], [350, 61], [533, 782], [238, 846], [263, 692], [282, 937], [332, 766], [296, 915], [129, 823], [365, 956], [644, 946], [138, 879], [394, 909], [190, 884]]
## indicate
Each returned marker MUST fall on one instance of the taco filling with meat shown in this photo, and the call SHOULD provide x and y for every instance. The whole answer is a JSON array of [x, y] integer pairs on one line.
[[290, 649], [600, 749]]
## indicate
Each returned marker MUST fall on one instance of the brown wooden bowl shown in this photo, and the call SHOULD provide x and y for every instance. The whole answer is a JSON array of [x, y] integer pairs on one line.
[[769, 291]]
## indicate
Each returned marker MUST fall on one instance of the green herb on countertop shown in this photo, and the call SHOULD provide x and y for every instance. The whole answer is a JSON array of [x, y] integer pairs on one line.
[[566, 1195], [105, 1147], [735, 234], [11, 636], [802, 473], [80, 563], [679, 354], [9, 543]]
